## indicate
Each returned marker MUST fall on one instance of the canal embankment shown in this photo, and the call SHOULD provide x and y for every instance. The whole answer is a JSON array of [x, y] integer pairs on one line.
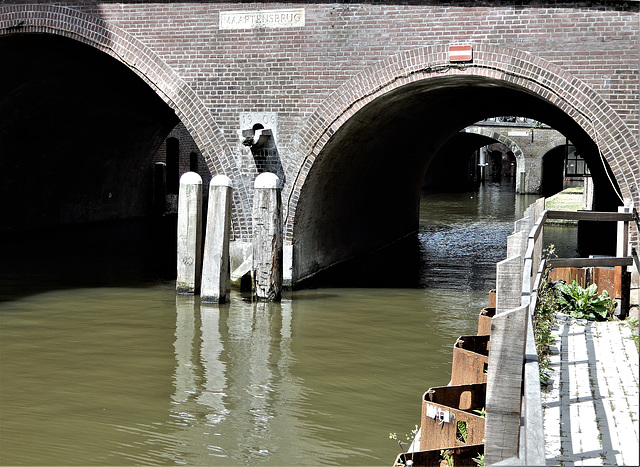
[[589, 415], [570, 199]]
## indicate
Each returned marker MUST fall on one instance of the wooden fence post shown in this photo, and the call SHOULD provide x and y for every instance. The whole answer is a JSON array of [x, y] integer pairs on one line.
[[622, 243], [508, 284], [539, 206], [504, 385], [267, 238], [216, 280], [189, 233], [517, 244]]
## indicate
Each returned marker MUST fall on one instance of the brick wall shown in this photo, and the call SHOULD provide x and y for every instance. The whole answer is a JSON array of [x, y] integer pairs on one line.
[[581, 56]]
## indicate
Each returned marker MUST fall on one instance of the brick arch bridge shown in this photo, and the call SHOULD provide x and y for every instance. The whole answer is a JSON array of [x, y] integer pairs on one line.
[[499, 136], [529, 146], [353, 86]]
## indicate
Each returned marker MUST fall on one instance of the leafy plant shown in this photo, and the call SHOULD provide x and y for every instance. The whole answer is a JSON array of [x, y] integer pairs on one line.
[[479, 460], [585, 303], [544, 320], [461, 431], [480, 412], [633, 325], [447, 456]]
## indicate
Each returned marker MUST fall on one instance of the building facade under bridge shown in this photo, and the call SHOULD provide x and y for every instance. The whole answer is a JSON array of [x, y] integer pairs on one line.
[[354, 101]]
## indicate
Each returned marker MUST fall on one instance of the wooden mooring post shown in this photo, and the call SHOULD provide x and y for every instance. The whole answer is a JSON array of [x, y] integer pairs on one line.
[[216, 279], [189, 233], [267, 238]]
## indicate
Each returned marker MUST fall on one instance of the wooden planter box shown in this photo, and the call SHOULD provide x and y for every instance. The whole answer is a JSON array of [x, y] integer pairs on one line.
[[443, 407], [492, 298], [462, 456], [470, 360], [484, 320], [569, 275], [609, 279]]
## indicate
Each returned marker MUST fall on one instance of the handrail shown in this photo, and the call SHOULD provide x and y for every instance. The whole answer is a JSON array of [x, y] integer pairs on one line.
[[591, 216], [532, 443], [591, 262]]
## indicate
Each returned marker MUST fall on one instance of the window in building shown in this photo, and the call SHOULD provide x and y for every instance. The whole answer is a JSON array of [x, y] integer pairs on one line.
[[575, 165]]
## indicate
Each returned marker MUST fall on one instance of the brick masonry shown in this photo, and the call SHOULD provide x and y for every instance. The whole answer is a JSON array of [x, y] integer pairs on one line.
[[580, 56]]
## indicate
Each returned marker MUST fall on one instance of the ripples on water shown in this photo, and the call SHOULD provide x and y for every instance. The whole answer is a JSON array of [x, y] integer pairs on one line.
[[120, 375]]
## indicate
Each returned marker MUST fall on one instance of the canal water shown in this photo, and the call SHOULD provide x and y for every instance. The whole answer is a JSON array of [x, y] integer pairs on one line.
[[101, 362]]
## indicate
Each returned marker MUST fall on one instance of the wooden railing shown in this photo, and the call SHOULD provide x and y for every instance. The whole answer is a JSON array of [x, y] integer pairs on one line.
[[513, 382]]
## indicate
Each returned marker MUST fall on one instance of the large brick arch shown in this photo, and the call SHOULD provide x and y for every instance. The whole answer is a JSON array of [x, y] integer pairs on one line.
[[514, 68], [100, 34]]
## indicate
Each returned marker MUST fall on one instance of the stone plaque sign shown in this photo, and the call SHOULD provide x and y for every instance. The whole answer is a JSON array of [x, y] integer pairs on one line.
[[268, 120], [262, 19]]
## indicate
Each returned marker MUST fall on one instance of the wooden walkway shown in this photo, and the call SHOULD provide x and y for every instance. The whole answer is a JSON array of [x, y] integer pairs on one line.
[[591, 406]]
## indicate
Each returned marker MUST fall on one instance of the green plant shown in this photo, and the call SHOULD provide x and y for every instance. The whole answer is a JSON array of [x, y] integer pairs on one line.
[[585, 303], [480, 412], [447, 456], [633, 325], [479, 460], [461, 431], [408, 437], [544, 321]]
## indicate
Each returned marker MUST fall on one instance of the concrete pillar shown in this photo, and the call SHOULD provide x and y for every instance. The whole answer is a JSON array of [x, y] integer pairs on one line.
[[267, 238], [189, 233], [483, 163], [215, 265]]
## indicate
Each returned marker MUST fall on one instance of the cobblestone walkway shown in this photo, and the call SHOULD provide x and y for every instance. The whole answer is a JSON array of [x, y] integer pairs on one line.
[[591, 405]]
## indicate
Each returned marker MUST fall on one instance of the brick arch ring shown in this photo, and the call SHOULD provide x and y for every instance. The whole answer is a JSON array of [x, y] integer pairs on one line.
[[100, 34], [513, 67], [508, 142]]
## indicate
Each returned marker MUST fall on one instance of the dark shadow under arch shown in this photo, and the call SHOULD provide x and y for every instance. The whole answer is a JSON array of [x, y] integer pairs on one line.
[[78, 131], [61, 21], [362, 191]]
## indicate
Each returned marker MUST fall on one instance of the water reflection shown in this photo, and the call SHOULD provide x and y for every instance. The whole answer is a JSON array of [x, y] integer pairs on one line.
[[215, 380], [236, 397]]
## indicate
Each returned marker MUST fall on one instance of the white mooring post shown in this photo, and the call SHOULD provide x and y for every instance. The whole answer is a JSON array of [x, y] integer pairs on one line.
[[216, 280], [267, 238], [189, 233]]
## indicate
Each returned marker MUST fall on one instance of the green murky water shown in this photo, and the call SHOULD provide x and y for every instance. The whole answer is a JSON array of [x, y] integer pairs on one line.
[[113, 368]]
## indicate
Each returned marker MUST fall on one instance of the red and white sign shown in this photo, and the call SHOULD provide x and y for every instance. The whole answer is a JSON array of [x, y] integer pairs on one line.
[[460, 53]]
